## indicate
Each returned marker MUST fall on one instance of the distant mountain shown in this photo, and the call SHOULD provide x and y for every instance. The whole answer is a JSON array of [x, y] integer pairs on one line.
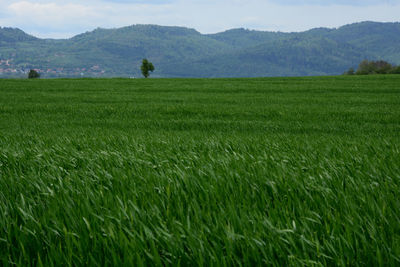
[[183, 52], [12, 35], [242, 38], [297, 56]]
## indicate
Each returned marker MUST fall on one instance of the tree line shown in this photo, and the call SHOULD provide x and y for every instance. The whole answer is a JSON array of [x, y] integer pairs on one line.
[[367, 67]]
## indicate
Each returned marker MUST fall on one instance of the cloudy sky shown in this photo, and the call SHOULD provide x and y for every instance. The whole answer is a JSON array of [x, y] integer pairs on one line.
[[65, 18]]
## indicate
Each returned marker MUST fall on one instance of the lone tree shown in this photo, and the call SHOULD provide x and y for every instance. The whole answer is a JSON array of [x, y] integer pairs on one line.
[[146, 68], [33, 74]]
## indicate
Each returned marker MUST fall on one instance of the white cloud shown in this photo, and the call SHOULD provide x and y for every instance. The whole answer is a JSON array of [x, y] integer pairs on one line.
[[52, 19], [46, 18], [50, 12]]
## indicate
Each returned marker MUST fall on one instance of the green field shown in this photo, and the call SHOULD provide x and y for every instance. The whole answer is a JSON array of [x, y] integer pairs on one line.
[[206, 172]]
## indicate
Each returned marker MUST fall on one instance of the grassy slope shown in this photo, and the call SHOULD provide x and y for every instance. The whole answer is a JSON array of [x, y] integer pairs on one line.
[[254, 171]]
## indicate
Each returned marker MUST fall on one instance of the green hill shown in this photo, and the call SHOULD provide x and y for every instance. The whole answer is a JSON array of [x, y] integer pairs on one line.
[[296, 56], [183, 52], [12, 35], [242, 38]]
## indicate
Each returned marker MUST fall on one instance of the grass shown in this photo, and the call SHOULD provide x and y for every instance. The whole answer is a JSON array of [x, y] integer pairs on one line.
[[275, 171]]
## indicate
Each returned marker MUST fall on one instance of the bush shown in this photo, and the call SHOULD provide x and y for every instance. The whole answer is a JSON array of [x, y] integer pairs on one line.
[[373, 67], [350, 72], [367, 67], [33, 74], [395, 70]]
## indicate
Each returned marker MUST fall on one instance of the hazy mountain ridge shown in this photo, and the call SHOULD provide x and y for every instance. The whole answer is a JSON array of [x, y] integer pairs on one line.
[[183, 52], [12, 35]]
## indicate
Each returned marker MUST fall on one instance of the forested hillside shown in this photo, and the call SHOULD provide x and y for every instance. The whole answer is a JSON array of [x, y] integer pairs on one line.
[[183, 52]]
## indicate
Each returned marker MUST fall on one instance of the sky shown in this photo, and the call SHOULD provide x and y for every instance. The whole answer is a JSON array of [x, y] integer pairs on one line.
[[64, 19]]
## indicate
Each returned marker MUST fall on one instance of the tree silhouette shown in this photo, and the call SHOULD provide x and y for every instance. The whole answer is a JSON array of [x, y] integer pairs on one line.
[[146, 68]]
